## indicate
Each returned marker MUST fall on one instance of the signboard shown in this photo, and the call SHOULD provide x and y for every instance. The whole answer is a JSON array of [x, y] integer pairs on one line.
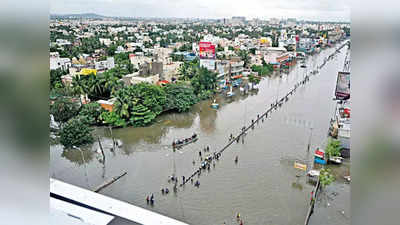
[[300, 166], [343, 86], [206, 50]]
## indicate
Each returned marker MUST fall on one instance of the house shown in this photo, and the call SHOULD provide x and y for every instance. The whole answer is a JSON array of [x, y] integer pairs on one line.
[[105, 65], [171, 70], [88, 71], [105, 41], [59, 63], [138, 59], [62, 42], [135, 78], [107, 104]]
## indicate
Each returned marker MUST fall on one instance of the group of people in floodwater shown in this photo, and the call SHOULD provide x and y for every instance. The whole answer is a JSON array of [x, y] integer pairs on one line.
[[150, 200], [205, 164], [238, 218], [185, 140]]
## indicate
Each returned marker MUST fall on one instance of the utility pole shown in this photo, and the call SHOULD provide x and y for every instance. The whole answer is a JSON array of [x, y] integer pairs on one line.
[[309, 140]]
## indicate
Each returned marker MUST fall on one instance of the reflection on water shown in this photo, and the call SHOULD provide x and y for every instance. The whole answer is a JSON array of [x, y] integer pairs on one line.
[[207, 116], [297, 185], [78, 157], [263, 186]]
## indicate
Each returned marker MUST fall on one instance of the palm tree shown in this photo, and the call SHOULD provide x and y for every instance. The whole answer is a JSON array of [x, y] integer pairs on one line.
[[79, 86]]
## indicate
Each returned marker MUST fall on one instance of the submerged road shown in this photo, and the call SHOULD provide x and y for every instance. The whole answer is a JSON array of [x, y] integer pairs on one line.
[[262, 185]]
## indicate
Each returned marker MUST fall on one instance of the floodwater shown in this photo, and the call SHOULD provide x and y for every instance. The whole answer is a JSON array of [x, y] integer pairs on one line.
[[262, 186]]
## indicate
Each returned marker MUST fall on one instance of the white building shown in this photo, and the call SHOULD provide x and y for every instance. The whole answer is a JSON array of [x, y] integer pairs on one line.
[[62, 42], [134, 78], [105, 65], [59, 63], [105, 41]]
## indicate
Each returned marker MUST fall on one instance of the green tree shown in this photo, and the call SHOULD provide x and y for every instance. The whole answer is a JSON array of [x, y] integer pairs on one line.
[[79, 85], [111, 50], [333, 147], [254, 79], [133, 102], [55, 77], [91, 112], [112, 118], [179, 97], [76, 132], [63, 109], [141, 115], [244, 55], [203, 80], [326, 177]]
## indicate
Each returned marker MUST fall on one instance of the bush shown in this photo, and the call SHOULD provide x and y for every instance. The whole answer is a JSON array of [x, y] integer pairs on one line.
[[64, 109], [325, 177], [205, 94], [333, 148], [91, 112], [179, 97], [76, 132], [112, 119]]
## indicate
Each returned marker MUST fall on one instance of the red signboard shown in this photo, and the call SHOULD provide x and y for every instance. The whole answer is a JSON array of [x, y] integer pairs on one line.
[[206, 50]]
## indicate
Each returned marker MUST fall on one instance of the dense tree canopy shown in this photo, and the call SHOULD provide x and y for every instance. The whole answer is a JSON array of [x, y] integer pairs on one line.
[[139, 104], [333, 147], [91, 113], [179, 97], [64, 109], [76, 132]]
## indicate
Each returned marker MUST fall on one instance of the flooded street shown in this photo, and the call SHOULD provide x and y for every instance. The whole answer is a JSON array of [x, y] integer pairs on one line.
[[262, 185]]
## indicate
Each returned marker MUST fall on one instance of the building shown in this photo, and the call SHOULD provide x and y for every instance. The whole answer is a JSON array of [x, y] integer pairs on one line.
[[271, 54], [171, 70], [62, 42], [105, 65], [274, 22], [138, 59], [151, 68], [135, 78], [291, 22], [88, 71], [107, 104], [105, 41], [59, 63], [238, 20]]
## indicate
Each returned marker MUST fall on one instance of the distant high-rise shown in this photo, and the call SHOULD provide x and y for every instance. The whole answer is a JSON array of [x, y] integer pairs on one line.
[[291, 22], [274, 21], [238, 20]]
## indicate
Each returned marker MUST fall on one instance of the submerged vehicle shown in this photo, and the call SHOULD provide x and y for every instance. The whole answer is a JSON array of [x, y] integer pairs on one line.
[[336, 159], [215, 105]]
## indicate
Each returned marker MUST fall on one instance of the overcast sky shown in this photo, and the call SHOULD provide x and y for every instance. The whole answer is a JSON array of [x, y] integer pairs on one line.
[[322, 10]]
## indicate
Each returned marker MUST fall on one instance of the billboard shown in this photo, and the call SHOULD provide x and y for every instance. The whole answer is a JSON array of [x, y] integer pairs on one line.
[[206, 50], [343, 86], [300, 166]]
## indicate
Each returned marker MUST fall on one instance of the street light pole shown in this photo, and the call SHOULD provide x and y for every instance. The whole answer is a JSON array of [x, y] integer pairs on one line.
[[309, 140]]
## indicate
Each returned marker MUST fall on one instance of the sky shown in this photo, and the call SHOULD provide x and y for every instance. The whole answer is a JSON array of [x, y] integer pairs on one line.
[[319, 10]]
